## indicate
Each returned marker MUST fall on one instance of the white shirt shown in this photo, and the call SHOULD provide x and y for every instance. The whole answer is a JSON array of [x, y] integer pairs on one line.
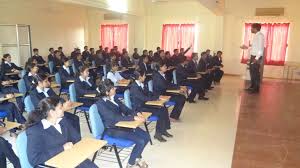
[[47, 124], [162, 74], [67, 69], [139, 84], [112, 99], [114, 77], [87, 80], [8, 63], [258, 44], [43, 91]]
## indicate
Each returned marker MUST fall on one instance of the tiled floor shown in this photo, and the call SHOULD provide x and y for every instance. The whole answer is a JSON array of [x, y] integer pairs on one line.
[[267, 134], [205, 137]]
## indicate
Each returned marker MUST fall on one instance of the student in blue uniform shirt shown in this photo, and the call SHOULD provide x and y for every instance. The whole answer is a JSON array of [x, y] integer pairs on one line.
[[161, 85], [40, 61], [50, 133], [66, 73], [7, 152], [112, 111], [198, 86], [139, 95], [85, 85], [42, 90], [32, 70], [14, 114], [9, 67]]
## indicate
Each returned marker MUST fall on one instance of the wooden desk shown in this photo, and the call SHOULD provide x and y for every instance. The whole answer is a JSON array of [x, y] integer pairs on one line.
[[123, 83], [73, 106], [70, 81], [55, 85], [174, 91], [77, 154], [165, 98], [12, 73], [193, 78], [16, 95], [92, 67], [156, 103], [133, 124], [90, 95], [202, 73], [10, 125]]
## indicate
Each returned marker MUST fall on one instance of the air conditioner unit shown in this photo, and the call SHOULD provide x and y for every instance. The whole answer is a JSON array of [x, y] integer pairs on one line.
[[113, 16], [269, 12]]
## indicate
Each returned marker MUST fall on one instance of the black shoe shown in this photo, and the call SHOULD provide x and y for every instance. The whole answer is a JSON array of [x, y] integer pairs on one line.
[[203, 98], [210, 88], [249, 89], [160, 138], [253, 91], [192, 101], [168, 135]]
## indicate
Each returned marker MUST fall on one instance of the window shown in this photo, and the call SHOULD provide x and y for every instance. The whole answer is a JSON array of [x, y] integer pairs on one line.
[[276, 36], [114, 35], [176, 36]]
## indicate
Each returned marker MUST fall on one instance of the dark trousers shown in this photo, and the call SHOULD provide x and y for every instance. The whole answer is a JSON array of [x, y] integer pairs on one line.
[[179, 104], [138, 136], [218, 74], [198, 87], [87, 164], [208, 78], [254, 74], [19, 100], [7, 152], [13, 112], [163, 123]]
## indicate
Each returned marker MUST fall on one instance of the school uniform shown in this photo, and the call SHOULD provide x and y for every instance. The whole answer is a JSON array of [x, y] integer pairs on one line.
[[139, 95], [197, 85], [203, 67], [217, 73], [46, 140], [66, 73], [161, 85], [115, 77], [14, 113], [40, 60], [84, 87], [29, 81], [7, 152], [12, 89], [85, 54], [113, 111], [7, 67], [37, 94]]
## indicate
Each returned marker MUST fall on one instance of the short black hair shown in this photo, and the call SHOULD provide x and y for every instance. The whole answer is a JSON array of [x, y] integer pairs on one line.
[[256, 26], [35, 49], [51, 49], [219, 52], [60, 48], [182, 59]]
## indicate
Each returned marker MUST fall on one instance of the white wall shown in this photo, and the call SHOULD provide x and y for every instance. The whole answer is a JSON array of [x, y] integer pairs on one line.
[[237, 12], [209, 25], [52, 24]]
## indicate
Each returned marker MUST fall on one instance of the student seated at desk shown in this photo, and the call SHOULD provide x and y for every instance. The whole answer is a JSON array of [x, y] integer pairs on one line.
[[203, 67], [139, 95], [7, 152], [66, 73], [9, 67], [32, 70], [182, 75], [51, 55], [40, 61], [43, 90], [125, 60], [84, 85], [161, 85], [50, 133], [57, 61], [13, 112], [218, 72], [144, 65], [112, 111], [78, 61]]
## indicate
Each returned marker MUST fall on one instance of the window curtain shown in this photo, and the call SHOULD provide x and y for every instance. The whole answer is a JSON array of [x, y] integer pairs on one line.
[[276, 36], [114, 35], [176, 36]]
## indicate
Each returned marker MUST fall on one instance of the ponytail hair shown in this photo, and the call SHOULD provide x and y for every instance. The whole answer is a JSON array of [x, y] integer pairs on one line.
[[83, 68], [138, 73], [44, 106], [39, 78], [159, 64]]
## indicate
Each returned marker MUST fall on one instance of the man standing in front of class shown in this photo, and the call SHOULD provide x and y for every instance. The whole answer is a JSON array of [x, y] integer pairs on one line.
[[256, 52]]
